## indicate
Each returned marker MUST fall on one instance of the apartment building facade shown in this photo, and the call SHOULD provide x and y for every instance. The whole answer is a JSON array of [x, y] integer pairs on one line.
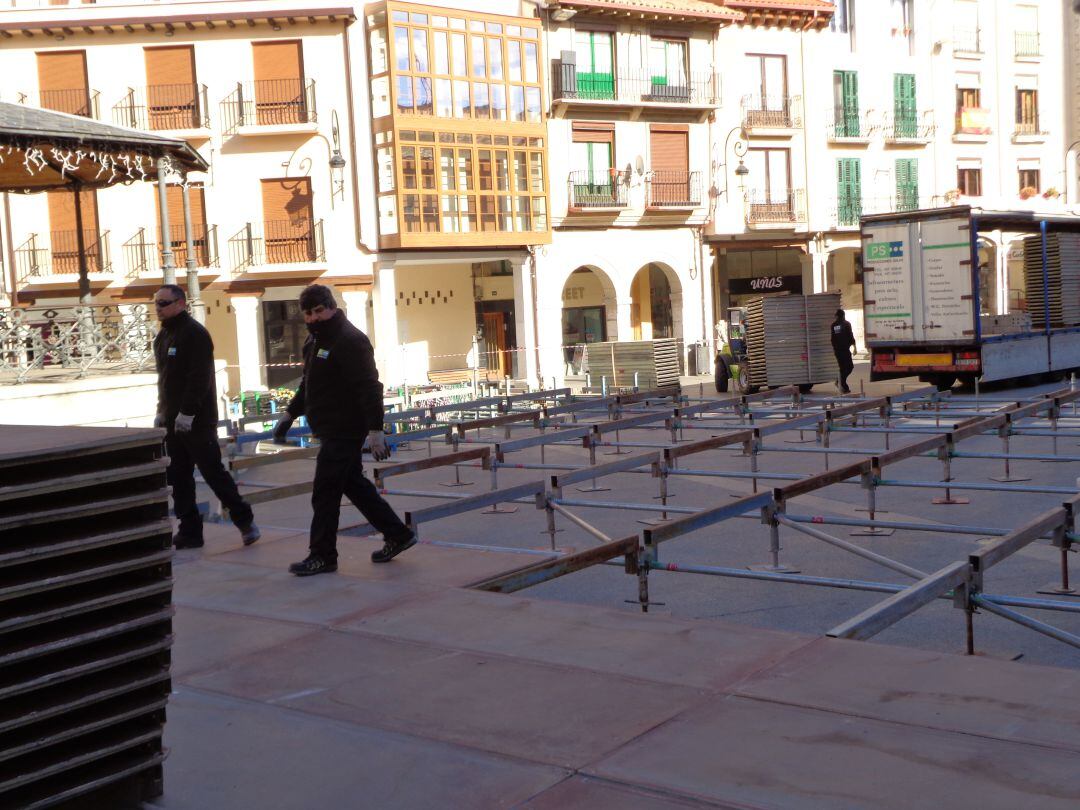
[[262, 90]]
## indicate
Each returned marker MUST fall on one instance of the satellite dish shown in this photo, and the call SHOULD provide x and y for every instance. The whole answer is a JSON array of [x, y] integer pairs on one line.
[[639, 164]]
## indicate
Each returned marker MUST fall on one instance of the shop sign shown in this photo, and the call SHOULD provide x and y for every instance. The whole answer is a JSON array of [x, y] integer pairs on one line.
[[761, 285]]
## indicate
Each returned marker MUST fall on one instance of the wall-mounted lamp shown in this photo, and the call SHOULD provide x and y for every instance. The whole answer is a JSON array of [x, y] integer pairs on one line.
[[739, 150], [561, 15], [336, 163]]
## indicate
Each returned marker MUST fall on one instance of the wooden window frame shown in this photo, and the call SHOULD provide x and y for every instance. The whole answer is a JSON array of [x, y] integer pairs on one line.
[[1026, 174], [761, 57], [964, 176]]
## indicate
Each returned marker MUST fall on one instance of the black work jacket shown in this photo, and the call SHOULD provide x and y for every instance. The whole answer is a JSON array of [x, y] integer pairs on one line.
[[184, 356], [340, 393], [842, 336]]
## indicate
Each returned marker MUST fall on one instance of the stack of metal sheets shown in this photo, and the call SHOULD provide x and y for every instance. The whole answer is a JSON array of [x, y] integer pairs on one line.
[[86, 629], [1058, 293], [787, 339], [647, 364]]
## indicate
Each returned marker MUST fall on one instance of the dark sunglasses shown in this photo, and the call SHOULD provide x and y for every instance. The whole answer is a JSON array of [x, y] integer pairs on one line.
[[160, 302]]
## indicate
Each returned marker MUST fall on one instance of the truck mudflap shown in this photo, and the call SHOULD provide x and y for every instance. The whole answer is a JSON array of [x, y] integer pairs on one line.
[[888, 363]]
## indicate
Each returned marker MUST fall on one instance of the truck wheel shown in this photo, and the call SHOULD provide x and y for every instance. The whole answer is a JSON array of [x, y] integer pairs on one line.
[[945, 382], [806, 388], [722, 375]]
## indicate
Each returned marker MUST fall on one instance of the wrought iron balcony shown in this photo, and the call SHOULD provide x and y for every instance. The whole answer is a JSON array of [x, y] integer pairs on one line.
[[1029, 127], [592, 190], [847, 211], [673, 189], [777, 208], [269, 103], [634, 87], [38, 257], [142, 253], [163, 106], [909, 127], [771, 112], [73, 341], [845, 125], [1026, 43], [279, 242], [78, 101], [967, 40]]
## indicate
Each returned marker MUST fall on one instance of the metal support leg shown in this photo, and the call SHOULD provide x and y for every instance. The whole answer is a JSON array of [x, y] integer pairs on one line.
[[592, 463], [1008, 478], [662, 474], [1062, 541], [869, 482], [768, 517], [495, 508], [457, 482], [946, 458]]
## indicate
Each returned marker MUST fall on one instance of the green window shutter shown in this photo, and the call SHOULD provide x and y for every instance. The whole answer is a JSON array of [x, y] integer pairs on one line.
[[904, 105], [847, 106], [907, 184], [849, 190], [595, 76]]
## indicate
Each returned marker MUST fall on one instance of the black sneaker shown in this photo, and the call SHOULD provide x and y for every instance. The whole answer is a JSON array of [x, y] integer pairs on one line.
[[314, 564], [391, 548], [184, 541], [249, 534]]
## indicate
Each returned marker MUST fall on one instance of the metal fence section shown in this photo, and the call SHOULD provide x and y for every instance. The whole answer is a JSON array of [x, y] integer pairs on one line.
[[163, 106], [776, 207], [277, 242], [269, 102], [634, 87], [673, 189], [771, 112], [76, 339], [597, 189]]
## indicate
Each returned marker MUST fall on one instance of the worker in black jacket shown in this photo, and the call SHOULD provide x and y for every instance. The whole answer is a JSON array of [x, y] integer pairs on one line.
[[341, 396], [843, 341], [187, 409]]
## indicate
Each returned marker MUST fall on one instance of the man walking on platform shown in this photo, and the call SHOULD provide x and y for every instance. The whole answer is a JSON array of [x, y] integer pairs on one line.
[[843, 341], [342, 398], [187, 409]]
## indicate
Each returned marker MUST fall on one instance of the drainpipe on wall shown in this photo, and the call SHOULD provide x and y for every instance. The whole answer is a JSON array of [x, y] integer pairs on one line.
[[536, 315]]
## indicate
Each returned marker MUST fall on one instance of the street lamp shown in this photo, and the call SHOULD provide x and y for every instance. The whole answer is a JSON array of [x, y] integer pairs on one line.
[[739, 150], [336, 162]]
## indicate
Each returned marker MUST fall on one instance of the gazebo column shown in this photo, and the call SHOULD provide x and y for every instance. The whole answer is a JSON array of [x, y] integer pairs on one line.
[[198, 308], [80, 245], [168, 262]]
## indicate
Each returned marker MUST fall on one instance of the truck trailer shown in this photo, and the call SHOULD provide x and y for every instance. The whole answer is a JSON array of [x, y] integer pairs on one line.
[[922, 297]]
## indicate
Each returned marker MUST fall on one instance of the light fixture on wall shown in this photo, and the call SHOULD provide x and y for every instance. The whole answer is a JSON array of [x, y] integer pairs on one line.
[[739, 150], [336, 162], [560, 14]]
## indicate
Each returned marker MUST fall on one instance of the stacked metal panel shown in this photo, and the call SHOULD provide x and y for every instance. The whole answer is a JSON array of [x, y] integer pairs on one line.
[[647, 364], [86, 625], [788, 339], [1059, 292]]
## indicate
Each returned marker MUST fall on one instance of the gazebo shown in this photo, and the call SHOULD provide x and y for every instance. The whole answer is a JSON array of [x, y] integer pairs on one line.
[[43, 150]]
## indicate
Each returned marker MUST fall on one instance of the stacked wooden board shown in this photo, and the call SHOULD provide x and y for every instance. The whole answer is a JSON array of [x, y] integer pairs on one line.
[[1059, 292], [648, 364], [788, 339], [86, 626]]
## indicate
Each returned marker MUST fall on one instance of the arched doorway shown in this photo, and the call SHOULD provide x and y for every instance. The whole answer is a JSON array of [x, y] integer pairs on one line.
[[655, 303], [588, 313]]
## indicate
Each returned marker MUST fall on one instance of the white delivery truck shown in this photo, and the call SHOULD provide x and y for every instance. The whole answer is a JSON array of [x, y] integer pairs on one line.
[[921, 297]]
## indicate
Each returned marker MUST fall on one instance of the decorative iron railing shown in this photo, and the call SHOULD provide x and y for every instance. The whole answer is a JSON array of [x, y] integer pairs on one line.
[[967, 40], [78, 339], [849, 124], [777, 207], [771, 112], [602, 188], [908, 127], [673, 189], [1026, 43], [163, 106], [269, 102], [279, 242], [77, 101], [634, 87]]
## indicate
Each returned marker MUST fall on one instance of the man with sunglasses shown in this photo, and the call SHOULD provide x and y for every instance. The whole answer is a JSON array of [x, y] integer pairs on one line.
[[187, 409], [342, 398]]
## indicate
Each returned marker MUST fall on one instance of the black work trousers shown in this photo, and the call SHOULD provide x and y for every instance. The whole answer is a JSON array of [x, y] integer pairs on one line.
[[339, 471], [186, 452], [846, 364]]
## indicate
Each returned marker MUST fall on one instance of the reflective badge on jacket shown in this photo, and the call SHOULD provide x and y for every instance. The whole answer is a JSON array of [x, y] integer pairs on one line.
[[172, 351], [322, 354]]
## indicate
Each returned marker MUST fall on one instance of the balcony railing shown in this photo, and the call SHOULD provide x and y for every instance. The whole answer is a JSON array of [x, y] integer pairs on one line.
[[1026, 43], [1028, 127], [967, 40], [281, 242], [79, 101], [844, 124], [142, 254], [783, 207], [39, 258], [973, 121], [771, 112], [909, 127], [847, 211], [673, 189], [269, 102], [630, 87], [74, 341], [597, 189], [163, 106]]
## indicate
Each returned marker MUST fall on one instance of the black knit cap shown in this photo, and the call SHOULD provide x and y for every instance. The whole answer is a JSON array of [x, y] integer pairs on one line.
[[315, 294]]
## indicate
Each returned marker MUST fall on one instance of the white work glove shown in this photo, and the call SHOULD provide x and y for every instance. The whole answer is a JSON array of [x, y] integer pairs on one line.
[[183, 423], [159, 420], [377, 444]]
